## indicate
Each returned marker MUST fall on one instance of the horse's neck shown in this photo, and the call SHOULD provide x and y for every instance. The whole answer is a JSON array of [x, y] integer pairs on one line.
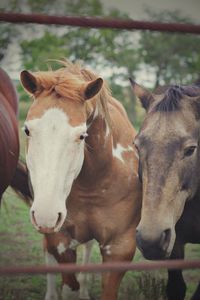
[[98, 147], [196, 197]]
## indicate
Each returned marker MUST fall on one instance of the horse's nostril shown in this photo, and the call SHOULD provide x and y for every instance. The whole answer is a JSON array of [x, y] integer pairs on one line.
[[33, 218], [165, 239], [59, 219], [139, 240]]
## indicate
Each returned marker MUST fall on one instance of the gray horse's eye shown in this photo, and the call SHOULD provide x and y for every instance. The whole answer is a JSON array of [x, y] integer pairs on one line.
[[189, 150]]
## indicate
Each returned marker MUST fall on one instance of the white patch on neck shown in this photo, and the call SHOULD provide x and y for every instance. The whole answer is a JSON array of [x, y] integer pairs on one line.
[[95, 115], [118, 151], [96, 112], [107, 130]]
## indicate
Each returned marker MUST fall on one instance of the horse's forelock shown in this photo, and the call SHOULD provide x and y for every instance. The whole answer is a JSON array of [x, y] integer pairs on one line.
[[67, 81]]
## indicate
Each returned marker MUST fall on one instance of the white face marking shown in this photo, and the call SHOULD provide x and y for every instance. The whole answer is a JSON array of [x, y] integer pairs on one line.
[[54, 159], [118, 151], [61, 248]]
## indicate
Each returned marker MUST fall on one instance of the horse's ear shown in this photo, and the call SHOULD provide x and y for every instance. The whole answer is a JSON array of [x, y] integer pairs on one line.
[[29, 82], [196, 107], [140, 92], [92, 88]]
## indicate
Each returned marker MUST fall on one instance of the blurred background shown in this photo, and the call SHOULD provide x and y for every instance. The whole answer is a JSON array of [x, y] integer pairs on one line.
[[151, 58]]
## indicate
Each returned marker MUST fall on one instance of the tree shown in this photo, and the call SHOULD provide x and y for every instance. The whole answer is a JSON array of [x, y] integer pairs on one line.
[[6, 35], [172, 57], [109, 49], [7, 31]]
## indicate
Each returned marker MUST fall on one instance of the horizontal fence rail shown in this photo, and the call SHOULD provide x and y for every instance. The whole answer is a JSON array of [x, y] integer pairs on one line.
[[97, 22], [100, 268]]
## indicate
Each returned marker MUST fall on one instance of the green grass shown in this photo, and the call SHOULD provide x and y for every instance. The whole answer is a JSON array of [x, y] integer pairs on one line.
[[20, 244]]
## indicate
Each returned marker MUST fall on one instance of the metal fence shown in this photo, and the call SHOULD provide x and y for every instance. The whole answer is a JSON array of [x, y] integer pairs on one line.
[[89, 22], [100, 268], [127, 24]]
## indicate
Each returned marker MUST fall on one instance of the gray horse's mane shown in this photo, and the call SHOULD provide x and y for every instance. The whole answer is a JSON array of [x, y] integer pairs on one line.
[[172, 96]]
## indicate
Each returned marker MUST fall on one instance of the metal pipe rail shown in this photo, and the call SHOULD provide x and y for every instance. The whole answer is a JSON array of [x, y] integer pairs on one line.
[[100, 268], [97, 22]]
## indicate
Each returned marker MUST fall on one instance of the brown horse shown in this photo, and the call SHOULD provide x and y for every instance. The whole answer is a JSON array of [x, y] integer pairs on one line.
[[83, 171], [169, 158], [9, 142]]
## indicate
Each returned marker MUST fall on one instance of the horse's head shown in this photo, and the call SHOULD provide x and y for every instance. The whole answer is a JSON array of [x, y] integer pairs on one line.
[[169, 158], [56, 129]]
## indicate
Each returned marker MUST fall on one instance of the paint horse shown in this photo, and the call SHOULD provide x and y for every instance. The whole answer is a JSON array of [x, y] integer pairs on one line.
[[9, 142], [83, 171], [169, 158]]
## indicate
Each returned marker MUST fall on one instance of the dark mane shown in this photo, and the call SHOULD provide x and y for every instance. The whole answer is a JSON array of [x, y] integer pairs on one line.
[[173, 95]]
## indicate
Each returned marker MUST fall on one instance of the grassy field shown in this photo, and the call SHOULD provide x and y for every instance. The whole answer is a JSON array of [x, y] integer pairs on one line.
[[22, 245]]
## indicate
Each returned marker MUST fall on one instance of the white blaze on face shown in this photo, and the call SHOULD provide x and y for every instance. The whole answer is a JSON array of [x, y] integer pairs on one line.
[[54, 159]]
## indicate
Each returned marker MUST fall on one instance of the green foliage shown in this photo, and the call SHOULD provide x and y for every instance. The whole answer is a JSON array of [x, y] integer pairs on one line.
[[110, 49], [6, 35], [37, 52], [152, 286], [21, 245], [93, 46], [172, 57], [167, 58]]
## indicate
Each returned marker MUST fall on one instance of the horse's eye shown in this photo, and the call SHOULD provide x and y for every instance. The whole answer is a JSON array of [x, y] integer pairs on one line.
[[83, 136], [26, 130], [189, 150]]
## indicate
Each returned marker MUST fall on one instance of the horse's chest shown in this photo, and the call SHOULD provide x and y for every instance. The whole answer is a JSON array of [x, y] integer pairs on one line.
[[102, 212]]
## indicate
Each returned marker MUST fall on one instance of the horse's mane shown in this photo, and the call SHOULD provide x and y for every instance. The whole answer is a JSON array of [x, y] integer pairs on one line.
[[68, 80], [8, 90], [172, 96]]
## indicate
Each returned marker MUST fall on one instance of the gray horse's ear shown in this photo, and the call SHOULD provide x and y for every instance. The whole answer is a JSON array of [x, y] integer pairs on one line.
[[29, 82], [92, 88], [196, 108], [140, 92]]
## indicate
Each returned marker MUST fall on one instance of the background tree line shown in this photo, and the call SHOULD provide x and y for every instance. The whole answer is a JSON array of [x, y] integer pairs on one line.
[[166, 58]]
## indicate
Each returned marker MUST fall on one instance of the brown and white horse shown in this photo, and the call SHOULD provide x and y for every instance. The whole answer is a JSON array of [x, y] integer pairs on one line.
[[9, 142], [83, 171], [169, 167]]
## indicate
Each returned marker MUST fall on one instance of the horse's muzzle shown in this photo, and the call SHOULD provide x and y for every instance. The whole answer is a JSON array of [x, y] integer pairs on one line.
[[42, 228], [154, 249]]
